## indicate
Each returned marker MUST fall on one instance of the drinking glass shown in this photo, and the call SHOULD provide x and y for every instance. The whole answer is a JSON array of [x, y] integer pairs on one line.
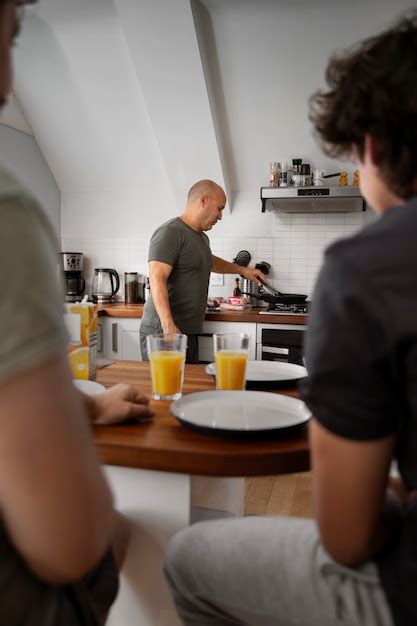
[[231, 356], [167, 358]]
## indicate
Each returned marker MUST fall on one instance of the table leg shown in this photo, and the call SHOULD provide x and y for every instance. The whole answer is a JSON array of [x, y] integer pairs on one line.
[[214, 498], [158, 505]]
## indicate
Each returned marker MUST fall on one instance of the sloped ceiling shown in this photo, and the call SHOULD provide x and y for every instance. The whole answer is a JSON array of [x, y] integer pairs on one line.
[[116, 96], [11, 115]]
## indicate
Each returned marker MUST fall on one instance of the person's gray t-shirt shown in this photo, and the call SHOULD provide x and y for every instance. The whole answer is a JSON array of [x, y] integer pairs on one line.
[[32, 331], [189, 253]]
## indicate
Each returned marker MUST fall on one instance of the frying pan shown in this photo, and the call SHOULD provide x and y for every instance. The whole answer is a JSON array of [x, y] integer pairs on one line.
[[282, 298], [273, 296]]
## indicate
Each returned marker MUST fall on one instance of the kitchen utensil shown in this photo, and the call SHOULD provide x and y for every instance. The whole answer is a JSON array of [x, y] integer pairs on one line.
[[249, 286], [240, 414], [106, 283], [242, 258], [131, 288], [264, 267], [282, 298]]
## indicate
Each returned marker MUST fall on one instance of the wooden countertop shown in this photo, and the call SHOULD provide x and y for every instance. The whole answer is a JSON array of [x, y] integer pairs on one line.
[[164, 444], [119, 309]]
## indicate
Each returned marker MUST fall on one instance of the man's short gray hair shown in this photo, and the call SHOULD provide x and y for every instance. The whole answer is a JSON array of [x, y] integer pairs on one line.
[[202, 187]]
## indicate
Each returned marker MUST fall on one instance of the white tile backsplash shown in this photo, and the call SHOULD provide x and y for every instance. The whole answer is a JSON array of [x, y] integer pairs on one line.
[[295, 250]]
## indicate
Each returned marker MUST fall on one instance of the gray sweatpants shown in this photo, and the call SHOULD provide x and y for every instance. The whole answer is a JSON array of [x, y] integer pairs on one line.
[[268, 571]]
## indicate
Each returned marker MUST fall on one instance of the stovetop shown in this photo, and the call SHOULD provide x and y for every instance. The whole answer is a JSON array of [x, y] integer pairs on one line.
[[286, 309]]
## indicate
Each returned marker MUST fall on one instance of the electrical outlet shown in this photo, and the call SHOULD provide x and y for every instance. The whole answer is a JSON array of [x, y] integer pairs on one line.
[[216, 280]]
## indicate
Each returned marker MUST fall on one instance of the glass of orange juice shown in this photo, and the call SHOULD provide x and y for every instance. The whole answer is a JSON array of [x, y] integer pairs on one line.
[[231, 356], [167, 358]]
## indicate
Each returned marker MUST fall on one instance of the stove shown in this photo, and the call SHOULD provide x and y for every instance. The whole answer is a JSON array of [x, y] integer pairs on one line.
[[287, 309]]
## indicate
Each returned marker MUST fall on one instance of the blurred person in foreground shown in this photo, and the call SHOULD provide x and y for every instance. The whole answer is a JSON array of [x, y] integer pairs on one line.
[[356, 563], [180, 262], [61, 541]]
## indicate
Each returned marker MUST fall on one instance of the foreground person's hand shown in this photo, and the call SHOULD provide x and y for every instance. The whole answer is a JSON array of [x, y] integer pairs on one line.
[[118, 404]]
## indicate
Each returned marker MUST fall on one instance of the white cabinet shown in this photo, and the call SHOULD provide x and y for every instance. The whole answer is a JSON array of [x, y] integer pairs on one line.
[[120, 338], [205, 340]]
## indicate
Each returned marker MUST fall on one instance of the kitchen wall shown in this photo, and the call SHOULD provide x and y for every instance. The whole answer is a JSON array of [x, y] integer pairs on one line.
[[294, 250], [21, 156], [222, 94]]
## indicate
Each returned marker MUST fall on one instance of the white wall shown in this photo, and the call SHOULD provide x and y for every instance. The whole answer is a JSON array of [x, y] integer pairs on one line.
[[20, 155], [97, 113]]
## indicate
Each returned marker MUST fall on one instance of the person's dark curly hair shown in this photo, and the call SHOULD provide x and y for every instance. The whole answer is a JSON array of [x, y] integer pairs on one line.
[[373, 89]]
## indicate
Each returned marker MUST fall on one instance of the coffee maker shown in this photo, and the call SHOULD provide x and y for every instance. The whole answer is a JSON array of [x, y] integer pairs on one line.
[[74, 283]]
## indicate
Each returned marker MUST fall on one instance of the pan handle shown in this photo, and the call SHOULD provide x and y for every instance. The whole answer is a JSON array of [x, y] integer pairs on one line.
[[253, 295]]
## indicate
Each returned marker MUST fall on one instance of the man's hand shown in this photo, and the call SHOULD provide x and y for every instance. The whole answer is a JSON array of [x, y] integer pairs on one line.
[[252, 273], [118, 404], [170, 328]]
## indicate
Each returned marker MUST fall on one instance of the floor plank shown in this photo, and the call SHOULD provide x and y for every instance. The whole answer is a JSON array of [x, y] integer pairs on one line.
[[258, 495], [289, 494]]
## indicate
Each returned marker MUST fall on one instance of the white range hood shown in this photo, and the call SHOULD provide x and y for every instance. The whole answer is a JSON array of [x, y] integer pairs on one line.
[[336, 199]]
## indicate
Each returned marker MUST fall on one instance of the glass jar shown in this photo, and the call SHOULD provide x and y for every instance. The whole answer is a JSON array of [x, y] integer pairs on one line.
[[273, 174], [131, 288]]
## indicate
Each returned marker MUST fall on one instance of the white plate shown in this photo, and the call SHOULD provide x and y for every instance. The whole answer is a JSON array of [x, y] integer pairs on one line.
[[268, 372], [242, 413], [89, 387]]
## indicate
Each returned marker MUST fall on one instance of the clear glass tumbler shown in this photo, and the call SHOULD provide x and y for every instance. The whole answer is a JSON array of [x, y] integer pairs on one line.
[[231, 356], [167, 357]]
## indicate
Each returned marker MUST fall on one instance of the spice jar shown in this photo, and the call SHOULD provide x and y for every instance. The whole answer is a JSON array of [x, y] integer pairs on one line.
[[283, 165], [273, 174], [131, 288]]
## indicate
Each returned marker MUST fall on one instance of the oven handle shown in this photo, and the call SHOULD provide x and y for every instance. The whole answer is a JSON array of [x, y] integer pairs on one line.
[[271, 350]]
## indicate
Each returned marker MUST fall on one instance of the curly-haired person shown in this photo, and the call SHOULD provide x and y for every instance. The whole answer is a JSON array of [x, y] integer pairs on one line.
[[356, 563]]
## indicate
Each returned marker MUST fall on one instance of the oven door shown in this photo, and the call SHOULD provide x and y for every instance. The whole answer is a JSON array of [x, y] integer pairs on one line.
[[280, 342]]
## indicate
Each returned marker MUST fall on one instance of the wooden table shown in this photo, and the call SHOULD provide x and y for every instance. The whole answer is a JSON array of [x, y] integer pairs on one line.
[[162, 474], [166, 445]]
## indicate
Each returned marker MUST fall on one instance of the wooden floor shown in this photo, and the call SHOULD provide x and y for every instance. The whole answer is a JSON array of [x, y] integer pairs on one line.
[[279, 495]]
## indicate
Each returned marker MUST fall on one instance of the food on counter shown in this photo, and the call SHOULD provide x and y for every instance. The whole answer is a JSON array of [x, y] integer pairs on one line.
[[343, 178], [355, 181]]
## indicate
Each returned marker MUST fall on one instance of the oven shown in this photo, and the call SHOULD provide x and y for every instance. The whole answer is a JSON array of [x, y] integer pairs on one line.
[[280, 342]]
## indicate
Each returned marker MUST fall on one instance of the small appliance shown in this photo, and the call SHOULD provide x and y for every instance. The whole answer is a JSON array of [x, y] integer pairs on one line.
[[74, 283], [106, 283]]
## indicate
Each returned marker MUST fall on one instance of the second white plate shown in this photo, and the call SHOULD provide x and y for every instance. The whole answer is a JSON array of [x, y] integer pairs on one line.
[[268, 372], [89, 387]]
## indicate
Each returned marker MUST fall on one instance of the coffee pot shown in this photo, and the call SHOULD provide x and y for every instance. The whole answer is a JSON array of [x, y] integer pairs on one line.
[[74, 283], [106, 283]]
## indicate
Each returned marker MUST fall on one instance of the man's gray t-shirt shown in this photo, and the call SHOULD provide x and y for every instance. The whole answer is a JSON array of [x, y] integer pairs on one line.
[[189, 253]]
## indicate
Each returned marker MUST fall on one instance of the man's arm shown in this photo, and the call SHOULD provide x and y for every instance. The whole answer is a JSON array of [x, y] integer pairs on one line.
[[350, 478], [158, 277], [220, 266], [54, 500]]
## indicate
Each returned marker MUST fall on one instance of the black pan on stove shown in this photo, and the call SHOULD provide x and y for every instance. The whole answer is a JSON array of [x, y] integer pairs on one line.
[[280, 298]]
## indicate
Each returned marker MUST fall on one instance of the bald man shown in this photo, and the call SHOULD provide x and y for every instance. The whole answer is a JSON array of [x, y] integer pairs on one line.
[[180, 262]]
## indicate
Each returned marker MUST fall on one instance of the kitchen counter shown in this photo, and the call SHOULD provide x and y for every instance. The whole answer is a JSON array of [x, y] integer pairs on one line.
[[119, 309]]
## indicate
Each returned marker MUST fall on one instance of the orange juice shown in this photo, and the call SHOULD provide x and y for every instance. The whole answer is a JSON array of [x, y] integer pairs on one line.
[[167, 368], [231, 369]]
